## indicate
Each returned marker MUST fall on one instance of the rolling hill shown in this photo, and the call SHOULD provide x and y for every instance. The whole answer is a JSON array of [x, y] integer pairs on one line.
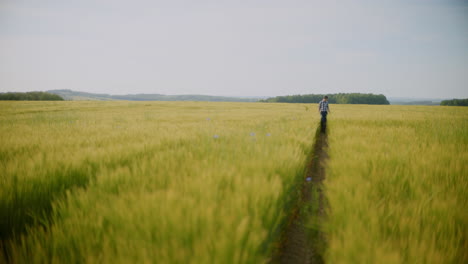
[[77, 96]]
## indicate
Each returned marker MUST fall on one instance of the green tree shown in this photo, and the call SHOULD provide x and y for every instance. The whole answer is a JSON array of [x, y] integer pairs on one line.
[[30, 96]]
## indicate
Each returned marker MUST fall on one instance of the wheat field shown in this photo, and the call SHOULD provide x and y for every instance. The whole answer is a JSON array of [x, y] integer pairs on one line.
[[397, 184], [144, 182], [198, 182]]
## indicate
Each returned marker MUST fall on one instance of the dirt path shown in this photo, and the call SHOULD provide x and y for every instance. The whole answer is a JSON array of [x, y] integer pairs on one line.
[[302, 241]]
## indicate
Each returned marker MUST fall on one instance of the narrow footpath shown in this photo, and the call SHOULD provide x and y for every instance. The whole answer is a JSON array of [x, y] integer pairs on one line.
[[302, 241]]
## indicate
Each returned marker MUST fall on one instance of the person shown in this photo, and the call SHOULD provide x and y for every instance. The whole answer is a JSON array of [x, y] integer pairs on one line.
[[324, 109]]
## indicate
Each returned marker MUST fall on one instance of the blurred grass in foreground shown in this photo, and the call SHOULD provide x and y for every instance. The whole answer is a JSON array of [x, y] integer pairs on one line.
[[397, 184], [144, 182]]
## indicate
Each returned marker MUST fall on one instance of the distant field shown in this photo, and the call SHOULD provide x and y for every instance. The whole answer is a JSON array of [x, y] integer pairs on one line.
[[193, 182], [135, 182]]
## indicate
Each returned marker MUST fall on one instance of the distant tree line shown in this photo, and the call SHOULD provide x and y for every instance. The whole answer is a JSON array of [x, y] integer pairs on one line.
[[30, 96], [341, 98], [455, 102]]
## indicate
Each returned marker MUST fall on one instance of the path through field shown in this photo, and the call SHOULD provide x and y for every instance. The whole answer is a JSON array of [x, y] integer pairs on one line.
[[303, 241]]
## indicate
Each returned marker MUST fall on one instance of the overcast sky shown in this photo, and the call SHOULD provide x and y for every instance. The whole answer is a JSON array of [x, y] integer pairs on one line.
[[400, 48]]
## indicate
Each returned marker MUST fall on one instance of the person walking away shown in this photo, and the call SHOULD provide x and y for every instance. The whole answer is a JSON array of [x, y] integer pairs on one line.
[[324, 109]]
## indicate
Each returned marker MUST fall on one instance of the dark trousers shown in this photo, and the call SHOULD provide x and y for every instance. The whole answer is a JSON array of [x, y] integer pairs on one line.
[[324, 116], [323, 122]]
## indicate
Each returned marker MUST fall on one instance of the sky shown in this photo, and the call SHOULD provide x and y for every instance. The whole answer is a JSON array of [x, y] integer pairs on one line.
[[399, 48]]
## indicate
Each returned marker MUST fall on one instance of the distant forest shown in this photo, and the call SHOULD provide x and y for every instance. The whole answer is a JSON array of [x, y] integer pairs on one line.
[[30, 96], [341, 98], [455, 102]]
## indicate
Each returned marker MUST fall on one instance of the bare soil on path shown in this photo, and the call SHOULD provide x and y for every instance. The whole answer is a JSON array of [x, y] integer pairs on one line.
[[302, 241]]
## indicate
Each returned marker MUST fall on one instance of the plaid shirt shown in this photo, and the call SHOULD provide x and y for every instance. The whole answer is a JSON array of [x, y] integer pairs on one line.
[[323, 106]]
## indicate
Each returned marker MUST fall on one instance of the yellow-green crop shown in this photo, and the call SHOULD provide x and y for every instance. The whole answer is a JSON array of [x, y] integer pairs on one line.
[[187, 182], [397, 184], [148, 182]]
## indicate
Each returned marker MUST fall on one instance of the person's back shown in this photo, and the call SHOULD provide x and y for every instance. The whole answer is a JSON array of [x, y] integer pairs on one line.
[[324, 109]]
